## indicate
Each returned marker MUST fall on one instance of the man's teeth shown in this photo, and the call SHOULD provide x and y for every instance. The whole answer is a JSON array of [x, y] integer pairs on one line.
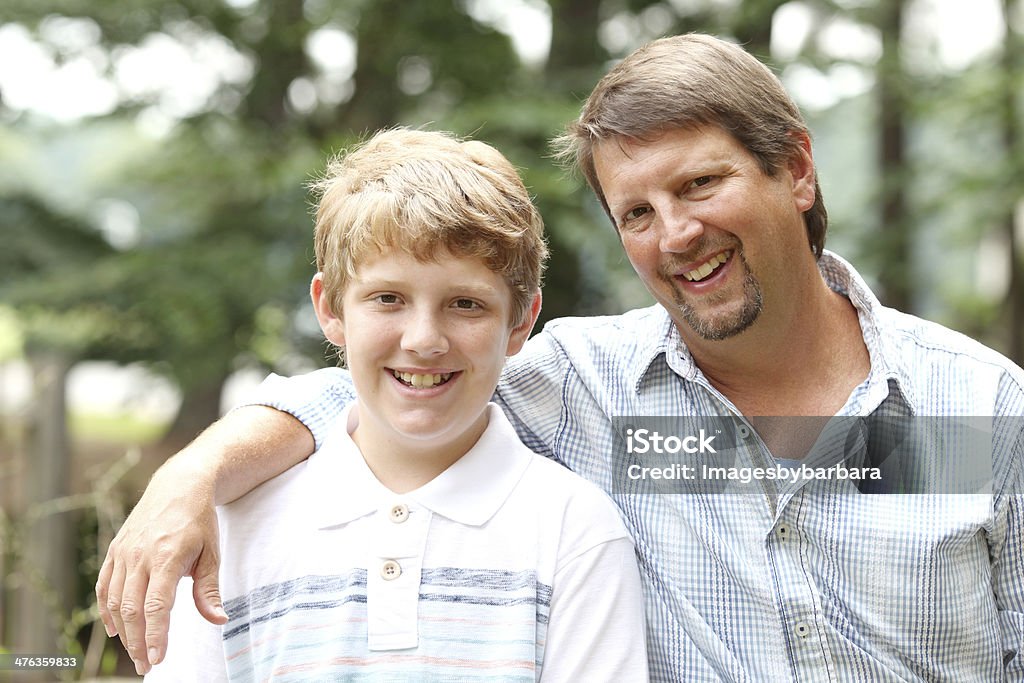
[[422, 381], [705, 270]]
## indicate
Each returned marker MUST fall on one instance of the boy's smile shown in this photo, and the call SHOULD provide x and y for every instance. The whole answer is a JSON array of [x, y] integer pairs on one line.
[[422, 381], [425, 343]]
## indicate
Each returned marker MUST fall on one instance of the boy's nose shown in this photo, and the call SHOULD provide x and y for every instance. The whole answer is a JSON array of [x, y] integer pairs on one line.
[[425, 336]]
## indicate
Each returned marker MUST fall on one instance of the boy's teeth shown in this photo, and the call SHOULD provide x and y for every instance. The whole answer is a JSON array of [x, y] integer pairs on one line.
[[422, 381], [705, 270]]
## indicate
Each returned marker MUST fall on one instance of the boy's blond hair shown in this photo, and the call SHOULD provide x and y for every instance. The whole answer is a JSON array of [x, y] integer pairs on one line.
[[424, 192]]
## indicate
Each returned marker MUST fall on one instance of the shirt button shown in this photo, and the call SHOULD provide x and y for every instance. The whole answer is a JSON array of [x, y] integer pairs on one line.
[[743, 431], [783, 531], [802, 629], [399, 513], [390, 570]]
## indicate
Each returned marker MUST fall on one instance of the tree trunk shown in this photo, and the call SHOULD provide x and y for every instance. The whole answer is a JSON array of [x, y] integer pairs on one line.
[[375, 101], [575, 51], [45, 553], [281, 58], [753, 26], [896, 272], [1014, 145], [200, 406]]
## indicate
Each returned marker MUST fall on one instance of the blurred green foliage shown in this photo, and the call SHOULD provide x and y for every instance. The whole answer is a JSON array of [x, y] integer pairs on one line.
[[213, 276]]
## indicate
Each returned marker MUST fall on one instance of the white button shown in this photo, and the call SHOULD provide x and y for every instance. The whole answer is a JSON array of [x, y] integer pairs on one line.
[[783, 531], [399, 513], [743, 431], [802, 629], [390, 570]]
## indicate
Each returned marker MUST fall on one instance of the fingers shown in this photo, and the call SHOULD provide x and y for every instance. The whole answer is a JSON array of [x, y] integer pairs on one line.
[[163, 584], [102, 591], [206, 589], [113, 602], [133, 616]]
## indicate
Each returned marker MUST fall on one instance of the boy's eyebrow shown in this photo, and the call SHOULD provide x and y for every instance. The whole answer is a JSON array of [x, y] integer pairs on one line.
[[472, 287]]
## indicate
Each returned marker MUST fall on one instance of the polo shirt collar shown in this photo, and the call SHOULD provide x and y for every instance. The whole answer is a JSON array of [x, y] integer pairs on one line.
[[469, 492]]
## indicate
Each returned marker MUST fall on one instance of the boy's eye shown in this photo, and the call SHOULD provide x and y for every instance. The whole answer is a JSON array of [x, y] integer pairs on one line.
[[466, 304], [387, 298]]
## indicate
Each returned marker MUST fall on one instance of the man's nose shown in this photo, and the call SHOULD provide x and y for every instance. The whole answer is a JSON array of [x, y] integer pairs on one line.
[[425, 334], [680, 228]]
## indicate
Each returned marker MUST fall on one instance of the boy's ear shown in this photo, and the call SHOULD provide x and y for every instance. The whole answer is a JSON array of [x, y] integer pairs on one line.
[[329, 323], [521, 333]]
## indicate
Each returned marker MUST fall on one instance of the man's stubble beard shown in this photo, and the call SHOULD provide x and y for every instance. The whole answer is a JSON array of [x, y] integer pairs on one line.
[[712, 329]]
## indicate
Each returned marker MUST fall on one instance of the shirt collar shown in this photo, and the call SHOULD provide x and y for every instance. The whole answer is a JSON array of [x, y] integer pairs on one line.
[[888, 375], [662, 338], [469, 492], [659, 338]]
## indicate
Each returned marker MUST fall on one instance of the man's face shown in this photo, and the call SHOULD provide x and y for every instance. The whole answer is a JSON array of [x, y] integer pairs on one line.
[[714, 239]]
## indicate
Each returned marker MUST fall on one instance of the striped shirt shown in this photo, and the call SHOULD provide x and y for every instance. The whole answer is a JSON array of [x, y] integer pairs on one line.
[[805, 583], [328, 575]]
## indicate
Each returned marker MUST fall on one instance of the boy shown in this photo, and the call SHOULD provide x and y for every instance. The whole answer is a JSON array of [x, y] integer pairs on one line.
[[423, 541]]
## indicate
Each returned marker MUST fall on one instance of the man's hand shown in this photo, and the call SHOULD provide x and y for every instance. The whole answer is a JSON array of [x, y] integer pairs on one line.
[[173, 530], [170, 533]]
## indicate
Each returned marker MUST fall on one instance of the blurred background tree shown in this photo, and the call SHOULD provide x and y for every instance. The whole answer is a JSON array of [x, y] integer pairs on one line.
[[154, 212]]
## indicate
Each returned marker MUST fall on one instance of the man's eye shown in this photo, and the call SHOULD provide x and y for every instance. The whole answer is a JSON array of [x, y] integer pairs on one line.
[[703, 180], [633, 214]]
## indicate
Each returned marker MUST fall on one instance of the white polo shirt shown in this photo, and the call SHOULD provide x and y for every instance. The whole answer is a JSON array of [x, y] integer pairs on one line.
[[506, 566]]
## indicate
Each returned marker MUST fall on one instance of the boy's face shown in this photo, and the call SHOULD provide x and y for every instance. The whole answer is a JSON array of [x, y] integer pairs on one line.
[[425, 343]]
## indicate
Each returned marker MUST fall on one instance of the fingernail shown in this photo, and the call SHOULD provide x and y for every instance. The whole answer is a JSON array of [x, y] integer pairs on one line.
[[111, 631], [154, 655], [138, 666], [221, 612]]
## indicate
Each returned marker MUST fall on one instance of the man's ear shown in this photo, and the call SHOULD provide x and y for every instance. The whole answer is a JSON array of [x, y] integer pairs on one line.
[[521, 332], [801, 169], [331, 324]]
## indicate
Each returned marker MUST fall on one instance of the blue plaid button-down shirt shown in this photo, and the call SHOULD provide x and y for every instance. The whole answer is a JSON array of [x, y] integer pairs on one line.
[[804, 584]]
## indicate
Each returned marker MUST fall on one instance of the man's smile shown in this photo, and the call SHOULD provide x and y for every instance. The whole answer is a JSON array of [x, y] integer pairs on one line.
[[708, 267]]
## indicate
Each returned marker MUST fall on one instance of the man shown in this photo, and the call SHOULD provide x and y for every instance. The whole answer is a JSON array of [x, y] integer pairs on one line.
[[704, 165]]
